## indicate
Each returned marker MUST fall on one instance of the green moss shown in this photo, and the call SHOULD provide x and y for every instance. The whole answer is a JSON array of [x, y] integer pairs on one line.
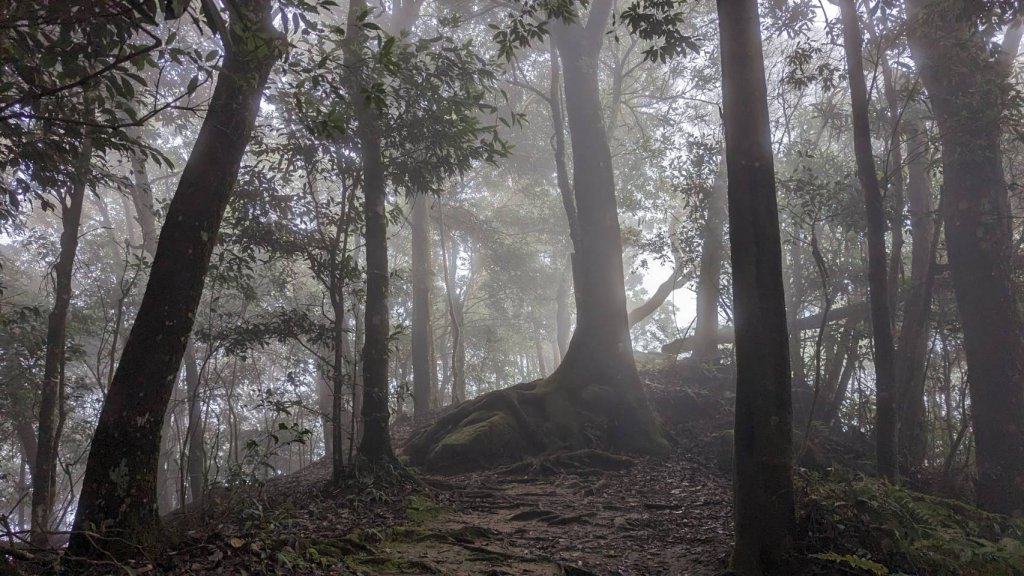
[[484, 437], [420, 509]]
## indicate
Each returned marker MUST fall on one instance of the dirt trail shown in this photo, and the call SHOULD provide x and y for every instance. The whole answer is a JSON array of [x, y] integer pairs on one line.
[[667, 516]]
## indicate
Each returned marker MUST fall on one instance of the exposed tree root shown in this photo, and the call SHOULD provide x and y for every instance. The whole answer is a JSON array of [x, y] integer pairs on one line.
[[562, 419]]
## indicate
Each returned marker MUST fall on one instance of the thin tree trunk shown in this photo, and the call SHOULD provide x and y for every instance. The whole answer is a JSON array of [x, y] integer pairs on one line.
[[422, 333], [196, 462], [375, 445], [886, 452], [118, 495], [51, 402], [764, 501], [709, 278], [458, 378], [913, 341], [561, 169]]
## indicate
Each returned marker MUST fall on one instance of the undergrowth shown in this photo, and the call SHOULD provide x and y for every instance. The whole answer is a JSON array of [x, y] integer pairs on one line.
[[855, 524]]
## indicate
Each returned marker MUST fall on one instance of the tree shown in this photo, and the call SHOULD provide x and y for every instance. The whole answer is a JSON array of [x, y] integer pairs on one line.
[[117, 505], [423, 373], [51, 405], [594, 397], [878, 288], [709, 279], [912, 355], [765, 516], [375, 445], [967, 88]]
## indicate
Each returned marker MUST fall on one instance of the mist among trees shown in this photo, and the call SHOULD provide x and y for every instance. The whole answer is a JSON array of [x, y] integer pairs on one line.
[[473, 287]]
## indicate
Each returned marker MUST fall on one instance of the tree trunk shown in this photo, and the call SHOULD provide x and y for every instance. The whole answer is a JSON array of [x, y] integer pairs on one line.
[[450, 263], [118, 497], [709, 278], [600, 351], [913, 341], [967, 88], [196, 462], [51, 402], [375, 445], [563, 315], [422, 334], [664, 290], [764, 502], [595, 396], [878, 288]]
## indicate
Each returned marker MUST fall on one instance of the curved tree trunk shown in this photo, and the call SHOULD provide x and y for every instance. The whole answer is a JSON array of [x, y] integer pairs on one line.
[[967, 89], [765, 516], [51, 403], [118, 496], [878, 287]]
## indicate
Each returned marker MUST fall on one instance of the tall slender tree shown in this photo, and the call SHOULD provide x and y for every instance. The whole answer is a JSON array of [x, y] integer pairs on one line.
[[878, 282], [375, 444], [51, 405], [765, 517]]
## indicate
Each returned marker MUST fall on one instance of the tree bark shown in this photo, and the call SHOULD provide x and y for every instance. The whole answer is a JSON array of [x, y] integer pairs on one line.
[[912, 355], [196, 460], [118, 496], [51, 402], [375, 445], [449, 260], [600, 350], [886, 453], [709, 280], [563, 315], [968, 88], [764, 501], [423, 374]]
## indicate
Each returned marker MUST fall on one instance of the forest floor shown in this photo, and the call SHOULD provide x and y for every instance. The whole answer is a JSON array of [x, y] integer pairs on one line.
[[668, 515], [620, 516]]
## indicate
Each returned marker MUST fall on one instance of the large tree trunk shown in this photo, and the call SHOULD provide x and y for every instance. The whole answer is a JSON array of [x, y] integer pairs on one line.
[[51, 402], [913, 341], [423, 374], [118, 497], [375, 444], [967, 89], [878, 287], [594, 398], [765, 516], [709, 278]]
